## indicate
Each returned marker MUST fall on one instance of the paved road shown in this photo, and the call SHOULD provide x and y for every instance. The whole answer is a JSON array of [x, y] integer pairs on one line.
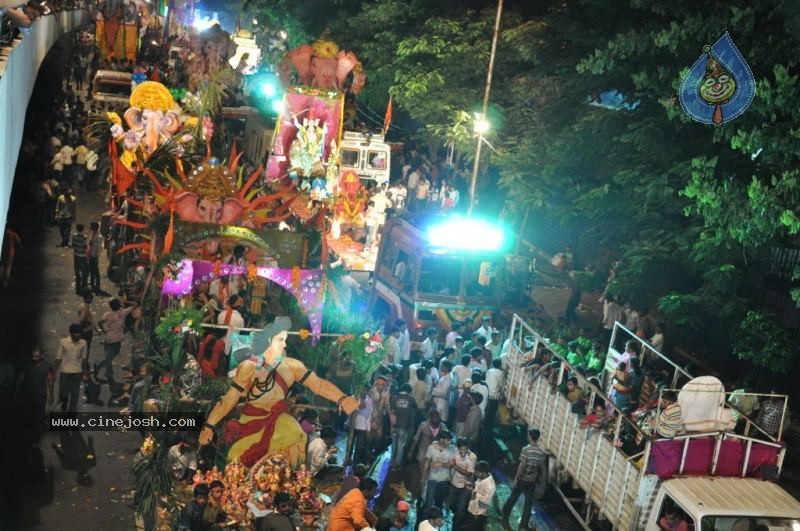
[[66, 481]]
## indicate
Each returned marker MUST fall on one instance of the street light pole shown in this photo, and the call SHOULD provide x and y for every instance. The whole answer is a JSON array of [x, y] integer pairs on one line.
[[484, 108]]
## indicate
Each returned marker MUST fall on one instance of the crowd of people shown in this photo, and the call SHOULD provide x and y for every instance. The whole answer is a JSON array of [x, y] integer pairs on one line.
[[424, 410]]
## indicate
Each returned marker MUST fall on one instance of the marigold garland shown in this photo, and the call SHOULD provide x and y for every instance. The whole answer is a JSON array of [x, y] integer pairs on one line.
[[252, 272], [152, 95], [114, 117], [303, 333], [295, 277], [217, 267]]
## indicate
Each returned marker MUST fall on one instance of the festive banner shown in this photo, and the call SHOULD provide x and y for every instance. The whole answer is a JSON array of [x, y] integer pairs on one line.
[[306, 285]]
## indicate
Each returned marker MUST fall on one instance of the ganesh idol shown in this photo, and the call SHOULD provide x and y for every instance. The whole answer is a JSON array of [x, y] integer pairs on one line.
[[265, 424]]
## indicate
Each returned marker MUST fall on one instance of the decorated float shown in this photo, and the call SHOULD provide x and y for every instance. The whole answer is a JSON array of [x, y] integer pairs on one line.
[[311, 150], [198, 221]]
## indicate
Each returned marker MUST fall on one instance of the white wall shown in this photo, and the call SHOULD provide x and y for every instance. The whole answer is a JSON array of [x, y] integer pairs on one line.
[[18, 73]]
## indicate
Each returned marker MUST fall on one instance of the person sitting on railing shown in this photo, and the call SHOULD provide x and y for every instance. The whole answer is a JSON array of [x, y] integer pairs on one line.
[[670, 419], [597, 355], [621, 387], [635, 378], [576, 355], [631, 351], [745, 402], [571, 390], [597, 419], [770, 415], [551, 372]]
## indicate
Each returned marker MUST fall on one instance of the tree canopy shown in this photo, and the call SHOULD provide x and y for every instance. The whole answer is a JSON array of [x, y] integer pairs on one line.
[[693, 211]]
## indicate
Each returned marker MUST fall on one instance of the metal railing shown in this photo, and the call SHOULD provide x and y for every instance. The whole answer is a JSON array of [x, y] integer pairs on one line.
[[646, 351], [519, 388]]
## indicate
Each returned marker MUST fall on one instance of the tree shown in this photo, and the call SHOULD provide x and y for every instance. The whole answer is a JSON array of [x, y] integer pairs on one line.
[[691, 208]]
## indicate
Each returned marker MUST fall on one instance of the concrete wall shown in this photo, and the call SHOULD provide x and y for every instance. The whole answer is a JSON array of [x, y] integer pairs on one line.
[[19, 71]]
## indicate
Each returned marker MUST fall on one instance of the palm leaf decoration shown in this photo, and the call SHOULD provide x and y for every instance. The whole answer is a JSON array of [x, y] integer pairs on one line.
[[100, 127], [162, 161], [210, 98]]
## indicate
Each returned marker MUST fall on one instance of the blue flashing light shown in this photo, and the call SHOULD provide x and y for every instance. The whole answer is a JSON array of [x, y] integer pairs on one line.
[[269, 89], [467, 234]]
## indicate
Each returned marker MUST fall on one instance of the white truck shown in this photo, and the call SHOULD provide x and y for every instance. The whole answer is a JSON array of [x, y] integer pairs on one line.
[[709, 479], [366, 154]]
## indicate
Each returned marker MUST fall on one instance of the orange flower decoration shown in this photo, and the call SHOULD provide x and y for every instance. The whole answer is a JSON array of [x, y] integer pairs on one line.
[[217, 267], [295, 277], [252, 272], [303, 333]]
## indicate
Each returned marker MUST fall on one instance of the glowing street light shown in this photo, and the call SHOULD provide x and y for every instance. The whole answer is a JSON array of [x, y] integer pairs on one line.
[[481, 125]]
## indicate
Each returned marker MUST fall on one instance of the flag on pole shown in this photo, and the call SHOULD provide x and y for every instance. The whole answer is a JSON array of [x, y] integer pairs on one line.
[[387, 120]]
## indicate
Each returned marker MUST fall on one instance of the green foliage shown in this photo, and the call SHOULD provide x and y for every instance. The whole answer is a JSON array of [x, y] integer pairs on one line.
[[690, 209], [760, 340], [153, 478], [366, 356], [172, 332]]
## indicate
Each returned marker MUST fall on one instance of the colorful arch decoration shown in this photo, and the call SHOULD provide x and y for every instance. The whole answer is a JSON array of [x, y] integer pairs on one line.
[[306, 285]]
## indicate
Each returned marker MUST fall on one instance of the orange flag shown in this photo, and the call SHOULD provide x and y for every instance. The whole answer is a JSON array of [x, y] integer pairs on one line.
[[170, 232], [121, 177], [387, 120]]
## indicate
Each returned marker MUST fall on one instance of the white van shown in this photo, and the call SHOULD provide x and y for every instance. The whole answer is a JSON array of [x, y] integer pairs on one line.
[[366, 154], [112, 88]]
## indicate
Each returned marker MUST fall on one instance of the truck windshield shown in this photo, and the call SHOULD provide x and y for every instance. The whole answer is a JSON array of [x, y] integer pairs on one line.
[[749, 523], [481, 277], [440, 275], [116, 88]]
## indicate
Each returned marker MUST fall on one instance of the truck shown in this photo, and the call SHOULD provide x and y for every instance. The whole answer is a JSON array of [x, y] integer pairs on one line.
[[367, 154], [437, 271], [623, 478], [112, 88]]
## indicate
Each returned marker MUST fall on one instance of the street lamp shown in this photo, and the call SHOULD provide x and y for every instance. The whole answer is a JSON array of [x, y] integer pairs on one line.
[[481, 125]]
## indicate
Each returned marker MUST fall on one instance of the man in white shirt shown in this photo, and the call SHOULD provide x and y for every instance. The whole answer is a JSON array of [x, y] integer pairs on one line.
[[361, 425], [399, 194], [392, 346], [450, 338], [382, 202], [434, 522], [462, 371], [79, 170], [320, 451], [494, 381], [430, 346], [495, 345], [463, 468], [486, 328], [72, 364], [482, 494], [91, 170], [231, 318], [66, 159], [57, 165], [480, 387], [404, 341]]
